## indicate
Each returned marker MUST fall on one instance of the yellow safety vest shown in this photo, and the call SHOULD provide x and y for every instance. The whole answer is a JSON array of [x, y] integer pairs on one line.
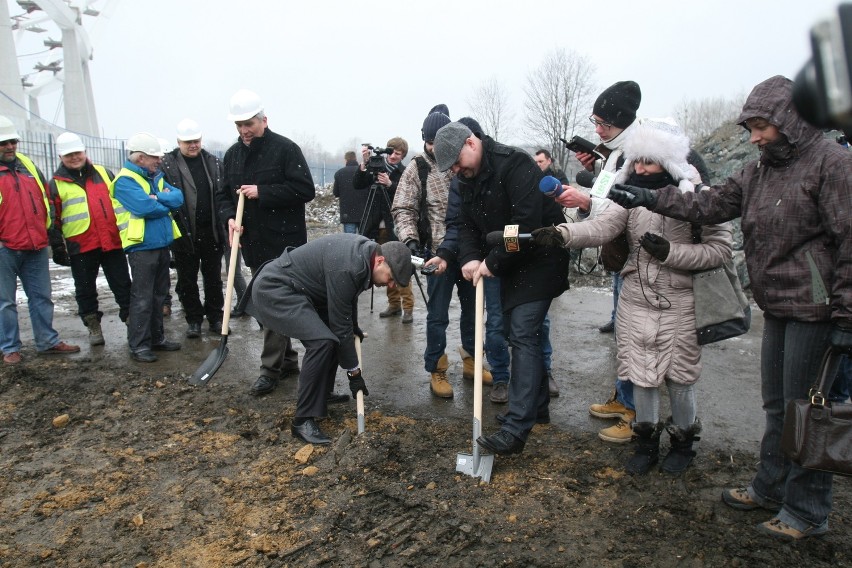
[[30, 166], [130, 227], [75, 205]]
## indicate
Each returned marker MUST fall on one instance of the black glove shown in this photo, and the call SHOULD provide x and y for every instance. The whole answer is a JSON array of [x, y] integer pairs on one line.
[[358, 333], [841, 339], [356, 383], [630, 196], [60, 256], [656, 245], [548, 237], [414, 247]]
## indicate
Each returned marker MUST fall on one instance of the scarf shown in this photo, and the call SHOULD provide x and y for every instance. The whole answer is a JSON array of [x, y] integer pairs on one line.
[[651, 181]]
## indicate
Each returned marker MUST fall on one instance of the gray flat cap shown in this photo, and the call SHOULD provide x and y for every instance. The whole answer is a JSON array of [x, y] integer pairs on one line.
[[448, 144]]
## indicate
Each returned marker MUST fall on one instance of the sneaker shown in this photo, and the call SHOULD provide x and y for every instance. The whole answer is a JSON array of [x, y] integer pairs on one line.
[[499, 393], [777, 528], [610, 409], [439, 384], [608, 327], [407, 316], [390, 312], [12, 358], [620, 433], [468, 368], [61, 348]]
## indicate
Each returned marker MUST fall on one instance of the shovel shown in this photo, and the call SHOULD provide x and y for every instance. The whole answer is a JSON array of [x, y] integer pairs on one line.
[[210, 365], [359, 399], [477, 465]]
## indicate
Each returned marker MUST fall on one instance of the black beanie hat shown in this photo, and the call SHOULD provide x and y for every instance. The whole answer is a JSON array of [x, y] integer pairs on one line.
[[432, 124], [618, 104], [471, 123]]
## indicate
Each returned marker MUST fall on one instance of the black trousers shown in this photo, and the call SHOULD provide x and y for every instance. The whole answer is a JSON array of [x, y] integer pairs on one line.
[[316, 380], [209, 259], [84, 270]]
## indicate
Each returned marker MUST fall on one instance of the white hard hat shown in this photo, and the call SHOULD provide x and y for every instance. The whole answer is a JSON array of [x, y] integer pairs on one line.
[[244, 105], [7, 130], [145, 143], [188, 129], [68, 143], [165, 145]]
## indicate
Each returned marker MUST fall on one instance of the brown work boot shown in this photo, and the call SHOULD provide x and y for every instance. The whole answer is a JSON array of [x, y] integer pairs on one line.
[[621, 433], [610, 409], [408, 316], [96, 335], [468, 368], [440, 385]]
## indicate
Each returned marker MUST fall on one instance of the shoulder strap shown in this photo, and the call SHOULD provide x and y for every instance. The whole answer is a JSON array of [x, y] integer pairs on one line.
[[696, 228]]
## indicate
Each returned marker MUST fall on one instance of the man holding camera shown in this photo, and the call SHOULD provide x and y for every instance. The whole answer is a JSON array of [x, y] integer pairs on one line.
[[381, 176], [272, 174], [499, 186]]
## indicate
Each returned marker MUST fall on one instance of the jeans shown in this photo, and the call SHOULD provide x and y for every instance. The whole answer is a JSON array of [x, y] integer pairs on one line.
[[791, 354], [32, 268], [209, 259], [528, 392], [149, 270], [351, 228], [546, 347], [84, 269], [623, 389], [440, 288], [617, 282], [842, 387], [496, 347]]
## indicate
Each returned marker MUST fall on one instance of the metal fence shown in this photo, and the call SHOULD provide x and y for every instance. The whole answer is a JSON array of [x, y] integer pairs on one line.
[[40, 147]]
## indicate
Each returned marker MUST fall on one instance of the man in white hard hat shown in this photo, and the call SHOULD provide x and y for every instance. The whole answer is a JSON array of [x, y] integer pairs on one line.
[[85, 216], [198, 174], [25, 216], [272, 173], [147, 230]]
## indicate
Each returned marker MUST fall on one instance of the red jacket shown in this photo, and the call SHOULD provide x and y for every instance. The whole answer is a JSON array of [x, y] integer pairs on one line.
[[23, 215], [103, 231]]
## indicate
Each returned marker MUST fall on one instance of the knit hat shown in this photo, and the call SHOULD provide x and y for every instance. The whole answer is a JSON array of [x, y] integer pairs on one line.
[[448, 144], [471, 123], [432, 124], [618, 104], [658, 140], [398, 258]]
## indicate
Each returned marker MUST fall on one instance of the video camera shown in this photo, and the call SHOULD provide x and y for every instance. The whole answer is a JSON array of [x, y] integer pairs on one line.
[[376, 164], [822, 91]]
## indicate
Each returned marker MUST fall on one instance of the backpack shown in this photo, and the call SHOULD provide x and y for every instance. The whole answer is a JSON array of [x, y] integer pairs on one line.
[[424, 229]]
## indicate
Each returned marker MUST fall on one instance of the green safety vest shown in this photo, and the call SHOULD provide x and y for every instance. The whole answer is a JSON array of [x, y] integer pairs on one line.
[[130, 227], [75, 206], [30, 166]]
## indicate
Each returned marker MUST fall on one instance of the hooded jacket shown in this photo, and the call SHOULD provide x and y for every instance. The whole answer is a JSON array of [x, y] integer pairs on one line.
[[796, 208]]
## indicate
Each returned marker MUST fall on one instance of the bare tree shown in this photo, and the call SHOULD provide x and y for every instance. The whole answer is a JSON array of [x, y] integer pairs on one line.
[[559, 98], [701, 117], [489, 105]]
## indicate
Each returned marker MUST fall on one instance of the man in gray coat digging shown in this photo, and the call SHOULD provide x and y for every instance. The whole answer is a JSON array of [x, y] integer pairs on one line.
[[310, 293]]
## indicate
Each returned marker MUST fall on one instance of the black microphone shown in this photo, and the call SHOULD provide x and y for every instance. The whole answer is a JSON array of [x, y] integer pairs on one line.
[[585, 178]]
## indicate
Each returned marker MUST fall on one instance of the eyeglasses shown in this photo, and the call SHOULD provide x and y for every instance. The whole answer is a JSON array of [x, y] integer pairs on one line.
[[12, 142], [600, 123]]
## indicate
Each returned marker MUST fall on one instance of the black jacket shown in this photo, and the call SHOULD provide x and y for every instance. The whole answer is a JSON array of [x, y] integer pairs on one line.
[[558, 174], [178, 175], [505, 192], [276, 219], [351, 202], [381, 208]]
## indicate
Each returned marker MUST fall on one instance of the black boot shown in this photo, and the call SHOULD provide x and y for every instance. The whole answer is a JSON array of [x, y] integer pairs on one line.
[[681, 453], [646, 440]]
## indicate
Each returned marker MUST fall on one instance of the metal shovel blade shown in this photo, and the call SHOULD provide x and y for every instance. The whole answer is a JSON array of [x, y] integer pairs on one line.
[[467, 464], [210, 365]]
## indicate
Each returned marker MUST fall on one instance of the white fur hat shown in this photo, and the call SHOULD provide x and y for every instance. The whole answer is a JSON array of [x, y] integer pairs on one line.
[[660, 140]]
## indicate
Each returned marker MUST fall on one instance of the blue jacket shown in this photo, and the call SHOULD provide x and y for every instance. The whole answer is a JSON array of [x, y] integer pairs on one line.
[[136, 199]]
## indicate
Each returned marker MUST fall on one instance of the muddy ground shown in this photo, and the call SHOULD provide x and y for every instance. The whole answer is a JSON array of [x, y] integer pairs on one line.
[[149, 471]]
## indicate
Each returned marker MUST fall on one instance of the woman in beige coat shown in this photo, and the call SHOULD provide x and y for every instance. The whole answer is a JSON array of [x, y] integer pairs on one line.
[[655, 322]]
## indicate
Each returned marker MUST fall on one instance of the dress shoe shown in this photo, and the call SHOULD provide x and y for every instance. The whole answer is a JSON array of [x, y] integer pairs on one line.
[[499, 393], [61, 348], [235, 313], [501, 443], [390, 312], [552, 386], [337, 398], [144, 356], [166, 346], [539, 419], [608, 327], [193, 330], [309, 432], [12, 358], [263, 385]]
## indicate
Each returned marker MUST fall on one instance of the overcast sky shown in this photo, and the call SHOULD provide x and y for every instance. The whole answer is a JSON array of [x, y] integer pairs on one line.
[[367, 71]]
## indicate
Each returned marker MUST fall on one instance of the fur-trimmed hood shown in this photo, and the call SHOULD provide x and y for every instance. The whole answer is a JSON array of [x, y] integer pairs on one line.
[[660, 140]]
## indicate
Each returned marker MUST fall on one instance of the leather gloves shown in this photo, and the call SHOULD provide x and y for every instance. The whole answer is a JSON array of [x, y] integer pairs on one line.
[[548, 237], [356, 383], [60, 256], [657, 246], [841, 339], [414, 247], [630, 196]]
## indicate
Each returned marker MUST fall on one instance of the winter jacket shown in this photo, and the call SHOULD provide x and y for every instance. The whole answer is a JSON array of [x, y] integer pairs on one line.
[[89, 185], [350, 202], [276, 219], [406, 204], [177, 174], [159, 229], [380, 210], [324, 278], [25, 211], [505, 192], [796, 214]]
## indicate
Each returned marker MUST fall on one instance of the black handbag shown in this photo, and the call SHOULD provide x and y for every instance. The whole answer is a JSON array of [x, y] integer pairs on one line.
[[817, 433]]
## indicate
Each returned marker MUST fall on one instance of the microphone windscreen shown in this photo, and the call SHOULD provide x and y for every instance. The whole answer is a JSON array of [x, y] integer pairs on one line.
[[585, 178], [494, 239], [549, 184]]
